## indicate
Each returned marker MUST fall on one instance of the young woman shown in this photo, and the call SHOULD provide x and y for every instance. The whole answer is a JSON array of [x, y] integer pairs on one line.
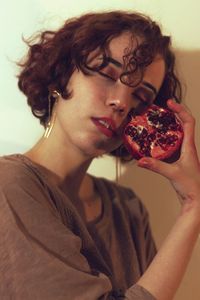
[[66, 234]]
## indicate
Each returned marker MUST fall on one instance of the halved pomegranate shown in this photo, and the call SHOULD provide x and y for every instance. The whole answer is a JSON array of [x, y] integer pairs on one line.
[[156, 133]]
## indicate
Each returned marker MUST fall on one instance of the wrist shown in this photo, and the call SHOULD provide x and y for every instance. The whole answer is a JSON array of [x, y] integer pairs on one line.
[[191, 210], [190, 200]]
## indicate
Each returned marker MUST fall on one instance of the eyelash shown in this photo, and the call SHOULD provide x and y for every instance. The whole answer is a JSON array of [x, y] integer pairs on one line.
[[113, 79], [107, 76], [144, 102]]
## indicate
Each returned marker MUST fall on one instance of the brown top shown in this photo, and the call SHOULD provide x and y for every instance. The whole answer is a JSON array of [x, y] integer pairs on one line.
[[48, 252]]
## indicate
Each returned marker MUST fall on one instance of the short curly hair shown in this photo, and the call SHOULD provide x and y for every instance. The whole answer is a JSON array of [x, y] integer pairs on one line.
[[54, 55]]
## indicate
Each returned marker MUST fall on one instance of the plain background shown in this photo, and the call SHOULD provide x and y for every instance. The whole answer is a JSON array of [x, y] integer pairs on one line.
[[19, 130]]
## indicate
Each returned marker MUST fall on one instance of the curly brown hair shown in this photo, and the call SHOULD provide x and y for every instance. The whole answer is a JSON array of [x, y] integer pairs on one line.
[[54, 55]]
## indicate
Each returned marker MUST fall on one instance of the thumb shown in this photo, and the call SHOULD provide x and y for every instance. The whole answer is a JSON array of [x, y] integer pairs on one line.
[[155, 165]]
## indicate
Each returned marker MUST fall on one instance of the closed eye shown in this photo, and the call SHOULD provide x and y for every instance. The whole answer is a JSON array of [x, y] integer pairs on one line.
[[107, 76], [109, 72], [141, 99]]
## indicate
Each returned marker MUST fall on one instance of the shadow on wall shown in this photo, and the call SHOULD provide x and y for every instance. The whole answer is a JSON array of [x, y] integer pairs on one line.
[[156, 192]]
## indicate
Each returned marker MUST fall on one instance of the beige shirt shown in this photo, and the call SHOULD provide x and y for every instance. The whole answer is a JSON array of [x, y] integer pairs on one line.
[[48, 252]]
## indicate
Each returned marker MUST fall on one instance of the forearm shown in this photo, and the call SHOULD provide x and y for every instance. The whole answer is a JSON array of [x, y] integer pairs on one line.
[[167, 269]]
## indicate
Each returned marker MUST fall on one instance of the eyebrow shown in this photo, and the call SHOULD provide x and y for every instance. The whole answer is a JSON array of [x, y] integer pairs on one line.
[[150, 86], [114, 62], [145, 83]]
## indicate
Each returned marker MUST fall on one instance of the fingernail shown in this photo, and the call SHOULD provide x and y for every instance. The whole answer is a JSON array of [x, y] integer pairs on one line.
[[173, 101], [144, 162]]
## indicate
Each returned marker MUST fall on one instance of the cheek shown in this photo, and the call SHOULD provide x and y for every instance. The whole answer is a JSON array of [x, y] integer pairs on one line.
[[90, 93]]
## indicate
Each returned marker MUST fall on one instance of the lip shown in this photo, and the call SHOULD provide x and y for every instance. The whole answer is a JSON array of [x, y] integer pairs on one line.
[[108, 131]]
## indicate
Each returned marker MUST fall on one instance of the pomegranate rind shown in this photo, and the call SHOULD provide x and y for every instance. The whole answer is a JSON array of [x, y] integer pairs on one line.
[[155, 151]]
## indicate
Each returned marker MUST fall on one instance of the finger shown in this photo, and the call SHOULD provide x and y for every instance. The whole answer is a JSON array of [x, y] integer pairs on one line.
[[187, 120], [160, 167]]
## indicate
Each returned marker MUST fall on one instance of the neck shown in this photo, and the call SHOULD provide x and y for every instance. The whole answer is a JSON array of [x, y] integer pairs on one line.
[[68, 168]]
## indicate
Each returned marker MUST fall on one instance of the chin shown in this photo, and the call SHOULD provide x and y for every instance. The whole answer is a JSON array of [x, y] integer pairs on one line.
[[98, 150], [94, 146], [93, 152]]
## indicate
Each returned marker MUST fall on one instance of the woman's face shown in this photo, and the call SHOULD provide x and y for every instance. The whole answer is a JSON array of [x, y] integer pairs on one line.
[[92, 120]]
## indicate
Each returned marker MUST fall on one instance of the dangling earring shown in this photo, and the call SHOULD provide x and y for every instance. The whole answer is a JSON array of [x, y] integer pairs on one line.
[[118, 166], [117, 169], [51, 119]]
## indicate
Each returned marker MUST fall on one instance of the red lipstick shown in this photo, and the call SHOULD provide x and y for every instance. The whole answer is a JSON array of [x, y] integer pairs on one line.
[[105, 125]]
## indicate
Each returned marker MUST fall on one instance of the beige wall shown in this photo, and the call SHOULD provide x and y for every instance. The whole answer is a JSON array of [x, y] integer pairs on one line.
[[179, 18]]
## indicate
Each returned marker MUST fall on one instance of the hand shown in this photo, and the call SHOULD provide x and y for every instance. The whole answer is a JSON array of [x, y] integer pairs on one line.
[[184, 174]]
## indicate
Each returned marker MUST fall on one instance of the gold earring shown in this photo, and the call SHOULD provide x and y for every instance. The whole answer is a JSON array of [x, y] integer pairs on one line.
[[51, 119], [118, 165], [117, 169]]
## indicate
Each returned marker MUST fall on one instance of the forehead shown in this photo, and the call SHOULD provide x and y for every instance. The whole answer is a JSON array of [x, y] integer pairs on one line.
[[124, 45], [121, 45]]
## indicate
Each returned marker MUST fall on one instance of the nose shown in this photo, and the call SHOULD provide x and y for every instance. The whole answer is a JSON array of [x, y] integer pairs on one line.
[[117, 105], [119, 99]]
